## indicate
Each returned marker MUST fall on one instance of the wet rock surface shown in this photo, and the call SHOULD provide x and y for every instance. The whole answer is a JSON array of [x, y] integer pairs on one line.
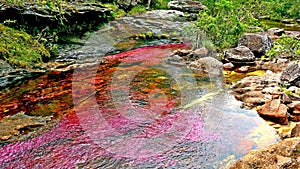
[[10, 76], [20, 124], [121, 34], [281, 155]]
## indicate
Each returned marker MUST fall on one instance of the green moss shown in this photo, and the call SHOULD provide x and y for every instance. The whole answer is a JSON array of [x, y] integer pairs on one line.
[[20, 49]]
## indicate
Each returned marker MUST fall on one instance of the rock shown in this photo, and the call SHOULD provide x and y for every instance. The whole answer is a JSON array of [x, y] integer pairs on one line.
[[257, 43], [200, 53], [228, 66], [207, 66], [288, 21], [41, 15], [291, 75], [295, 106], [186, 6], [10, 76], [127, 4], [283, 162], [275, 111], [286, 99], [243, 69], [294, 109], [280, 155], [12, 126], [240, 55], [275, 65], [256, 90], [121, 30], [296, 131], [276, 32]]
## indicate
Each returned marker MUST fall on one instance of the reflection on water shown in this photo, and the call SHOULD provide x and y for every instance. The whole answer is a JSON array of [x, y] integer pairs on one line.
[[132, 111]]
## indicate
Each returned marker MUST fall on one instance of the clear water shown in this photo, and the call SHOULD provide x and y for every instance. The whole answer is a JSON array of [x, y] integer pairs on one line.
[[132, 110]]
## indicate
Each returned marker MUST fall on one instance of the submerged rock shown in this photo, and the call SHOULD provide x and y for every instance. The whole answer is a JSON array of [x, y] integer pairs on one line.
[[257, 43], [284, 154], [13, 126]]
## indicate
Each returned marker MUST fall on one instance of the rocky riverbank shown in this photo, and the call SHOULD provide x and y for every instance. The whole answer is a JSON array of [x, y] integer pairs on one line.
[[274, 95]]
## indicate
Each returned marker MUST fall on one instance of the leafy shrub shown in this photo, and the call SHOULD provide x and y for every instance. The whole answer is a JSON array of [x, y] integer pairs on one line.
[[287, 46]]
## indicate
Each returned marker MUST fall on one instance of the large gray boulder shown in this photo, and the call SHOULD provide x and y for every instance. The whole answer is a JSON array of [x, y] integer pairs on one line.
[[240, 55], [257, 43]]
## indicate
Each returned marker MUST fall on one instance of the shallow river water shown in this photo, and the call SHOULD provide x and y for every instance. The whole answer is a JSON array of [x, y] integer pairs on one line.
[[129, 110], [133, 110]]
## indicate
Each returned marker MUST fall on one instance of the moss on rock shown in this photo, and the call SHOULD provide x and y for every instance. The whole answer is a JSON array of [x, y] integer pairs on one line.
[[20, 49]]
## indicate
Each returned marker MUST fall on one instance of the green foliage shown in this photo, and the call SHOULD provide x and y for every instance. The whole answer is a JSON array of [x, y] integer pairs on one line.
[[288, 47], [20, 48], [160, 4], [138, 9], [223, 22], [116, 11], [278, 10]]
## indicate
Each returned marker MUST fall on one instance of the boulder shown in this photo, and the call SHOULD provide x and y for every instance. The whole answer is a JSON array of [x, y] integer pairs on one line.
[[291, 75], [256, 90], [186, 6], [280, 155], [228, 66], [207, 66], [276, 32], [257, 43], [201, 52], [296, 131], [240, 55], [275, 111]]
